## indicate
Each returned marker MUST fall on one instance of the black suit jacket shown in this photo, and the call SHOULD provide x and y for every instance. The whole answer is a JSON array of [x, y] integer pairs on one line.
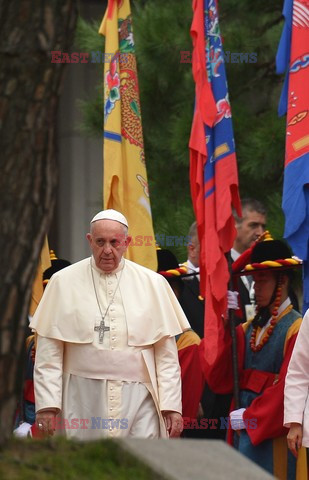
[[192, 305], [244, 298]]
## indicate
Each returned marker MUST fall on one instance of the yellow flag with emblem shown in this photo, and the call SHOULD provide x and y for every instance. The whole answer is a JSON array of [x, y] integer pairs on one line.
[[125, 177]]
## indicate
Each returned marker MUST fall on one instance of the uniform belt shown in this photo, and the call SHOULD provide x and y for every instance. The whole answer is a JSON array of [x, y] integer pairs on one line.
[[257, 380]]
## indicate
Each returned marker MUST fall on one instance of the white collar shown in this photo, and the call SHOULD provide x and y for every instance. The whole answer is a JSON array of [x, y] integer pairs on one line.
[[97, 269], [192, 268], [235, 254]]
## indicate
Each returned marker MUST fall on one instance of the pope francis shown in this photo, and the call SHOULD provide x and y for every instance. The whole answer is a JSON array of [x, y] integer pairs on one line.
[[106, 362]]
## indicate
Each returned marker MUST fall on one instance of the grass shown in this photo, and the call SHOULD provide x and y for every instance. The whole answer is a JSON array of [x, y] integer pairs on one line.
[[59, 459]]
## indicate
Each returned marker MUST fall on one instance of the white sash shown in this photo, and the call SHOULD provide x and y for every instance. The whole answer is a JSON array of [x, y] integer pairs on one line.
[[104, 364]]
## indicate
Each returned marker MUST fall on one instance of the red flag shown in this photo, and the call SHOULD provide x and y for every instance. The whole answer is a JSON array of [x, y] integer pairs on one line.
[[213, 168]]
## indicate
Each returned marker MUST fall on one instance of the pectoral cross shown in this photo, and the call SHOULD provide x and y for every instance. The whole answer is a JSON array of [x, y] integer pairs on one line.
[[101, 329]]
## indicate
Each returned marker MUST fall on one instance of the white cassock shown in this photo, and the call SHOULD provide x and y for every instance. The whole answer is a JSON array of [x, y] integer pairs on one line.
[[296, 390], [120, 386]]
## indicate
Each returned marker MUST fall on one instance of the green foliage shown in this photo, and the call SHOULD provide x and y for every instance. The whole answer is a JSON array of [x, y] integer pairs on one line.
[[59, 459], [254, 90], [87, 37], [161, 32], [92, 115]]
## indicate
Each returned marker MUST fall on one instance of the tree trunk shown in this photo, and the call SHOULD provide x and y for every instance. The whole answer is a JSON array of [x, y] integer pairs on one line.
[[29, 95]]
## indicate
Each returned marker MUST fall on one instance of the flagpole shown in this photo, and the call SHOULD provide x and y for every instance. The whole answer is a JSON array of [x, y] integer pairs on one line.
[[232, 324]]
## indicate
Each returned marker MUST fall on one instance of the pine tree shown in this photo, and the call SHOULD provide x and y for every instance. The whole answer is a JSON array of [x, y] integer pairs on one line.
[[29, 94], [254, 93]]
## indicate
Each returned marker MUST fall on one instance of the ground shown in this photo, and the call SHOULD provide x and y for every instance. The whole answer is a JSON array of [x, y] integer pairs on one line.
[[57, 459]]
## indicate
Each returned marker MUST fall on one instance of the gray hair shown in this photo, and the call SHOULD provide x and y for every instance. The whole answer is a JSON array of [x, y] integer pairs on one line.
[[193, 236], [249, 205]]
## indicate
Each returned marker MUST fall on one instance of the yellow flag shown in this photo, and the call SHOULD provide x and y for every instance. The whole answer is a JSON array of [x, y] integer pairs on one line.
[[37, 287], [125, 176]]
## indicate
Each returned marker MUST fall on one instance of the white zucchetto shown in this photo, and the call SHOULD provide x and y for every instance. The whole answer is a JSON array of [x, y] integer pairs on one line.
[[110, 214]]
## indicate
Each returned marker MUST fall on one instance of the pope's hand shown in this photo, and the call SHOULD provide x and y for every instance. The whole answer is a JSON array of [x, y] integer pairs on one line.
[[295, 437], [46, 421], [173, 422]]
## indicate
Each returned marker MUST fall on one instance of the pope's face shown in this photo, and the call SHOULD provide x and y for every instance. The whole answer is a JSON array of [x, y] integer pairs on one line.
[[264, 286], [108, 241]]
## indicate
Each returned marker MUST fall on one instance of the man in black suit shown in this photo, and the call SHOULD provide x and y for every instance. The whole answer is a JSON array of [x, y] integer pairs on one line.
[[191, 302], [249, 227]]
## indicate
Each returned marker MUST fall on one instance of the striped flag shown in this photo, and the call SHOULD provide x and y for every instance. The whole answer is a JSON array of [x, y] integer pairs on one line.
[[213, 168], [125, 176], [293, 58]]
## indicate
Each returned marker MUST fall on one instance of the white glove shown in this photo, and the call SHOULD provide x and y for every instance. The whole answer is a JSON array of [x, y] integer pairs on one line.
[[232, 300], [23, 430], [236, 418]]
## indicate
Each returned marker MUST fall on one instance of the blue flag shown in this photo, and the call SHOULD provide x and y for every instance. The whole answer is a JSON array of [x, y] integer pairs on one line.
[[293, 56]]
